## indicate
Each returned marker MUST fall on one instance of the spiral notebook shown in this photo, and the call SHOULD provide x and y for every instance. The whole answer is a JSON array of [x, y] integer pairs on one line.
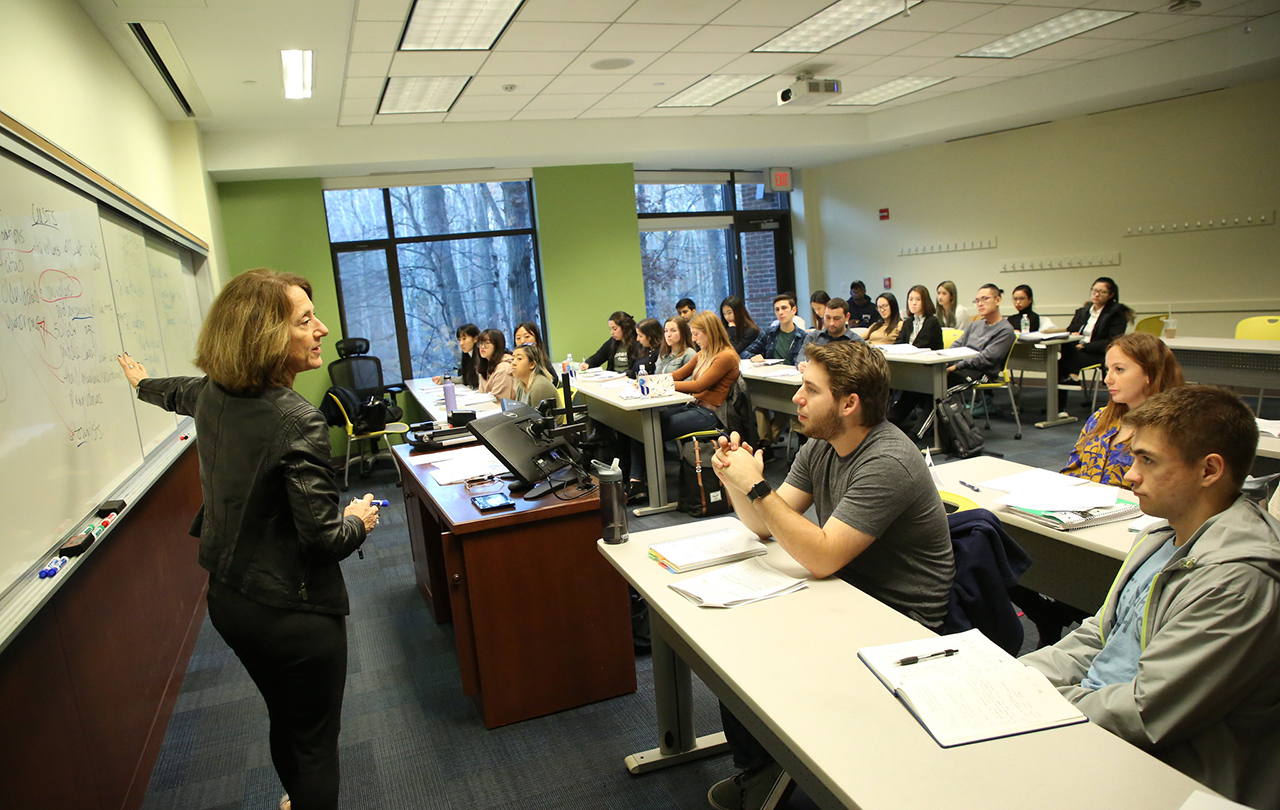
[[1082, 518], [707, 549]]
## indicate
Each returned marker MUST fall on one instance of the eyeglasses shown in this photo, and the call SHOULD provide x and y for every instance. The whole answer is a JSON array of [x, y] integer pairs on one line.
[[983, 299]]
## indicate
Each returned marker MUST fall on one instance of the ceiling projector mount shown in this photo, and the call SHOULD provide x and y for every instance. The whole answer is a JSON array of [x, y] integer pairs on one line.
[[808, 91]]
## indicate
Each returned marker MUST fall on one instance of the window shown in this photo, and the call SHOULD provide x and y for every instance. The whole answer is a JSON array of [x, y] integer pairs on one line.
[[708, 235], [414, 263]]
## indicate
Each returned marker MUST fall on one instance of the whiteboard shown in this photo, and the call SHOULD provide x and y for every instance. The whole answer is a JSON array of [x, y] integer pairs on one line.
[[77, 289]]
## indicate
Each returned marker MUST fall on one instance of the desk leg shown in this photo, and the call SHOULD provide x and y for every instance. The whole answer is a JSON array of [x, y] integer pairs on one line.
[[673, 693], [1052, 416], [939, 391], [657, 465]]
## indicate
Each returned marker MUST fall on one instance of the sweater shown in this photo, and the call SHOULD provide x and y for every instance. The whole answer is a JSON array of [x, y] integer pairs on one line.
[[712, 386]]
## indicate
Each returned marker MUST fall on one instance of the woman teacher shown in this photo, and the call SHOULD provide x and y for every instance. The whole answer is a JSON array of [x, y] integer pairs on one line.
[[271, 529]]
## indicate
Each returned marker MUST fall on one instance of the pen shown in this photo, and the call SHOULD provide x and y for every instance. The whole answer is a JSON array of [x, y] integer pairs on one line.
[[915, 659], [970, 486]]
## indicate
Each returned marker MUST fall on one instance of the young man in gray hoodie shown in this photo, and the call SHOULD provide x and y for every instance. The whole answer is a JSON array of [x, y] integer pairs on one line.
[[1183, 659]]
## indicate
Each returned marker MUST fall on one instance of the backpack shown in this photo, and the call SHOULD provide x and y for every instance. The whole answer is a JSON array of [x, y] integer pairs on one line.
[[957, 434], [701, 493]]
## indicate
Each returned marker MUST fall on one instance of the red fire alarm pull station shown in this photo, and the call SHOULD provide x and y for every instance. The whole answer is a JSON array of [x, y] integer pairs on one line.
[[884, 213], [778, 179], [888, 282]]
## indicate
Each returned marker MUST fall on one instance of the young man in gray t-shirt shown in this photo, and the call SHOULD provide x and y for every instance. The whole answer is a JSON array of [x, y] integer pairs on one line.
[[881, 525]]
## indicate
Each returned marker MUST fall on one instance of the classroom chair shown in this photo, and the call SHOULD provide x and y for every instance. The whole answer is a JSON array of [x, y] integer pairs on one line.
[[950, 336], [353, 437], [1152, 325], [1261, 327], [1006, 382], [356, 369]]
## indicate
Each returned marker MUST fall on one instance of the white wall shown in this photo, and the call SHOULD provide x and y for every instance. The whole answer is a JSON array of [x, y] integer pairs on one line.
[[1072, 188]]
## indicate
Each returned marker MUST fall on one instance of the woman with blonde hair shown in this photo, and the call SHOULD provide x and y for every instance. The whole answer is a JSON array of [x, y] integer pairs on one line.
[[709, 376], [271, 529], [951, 313]]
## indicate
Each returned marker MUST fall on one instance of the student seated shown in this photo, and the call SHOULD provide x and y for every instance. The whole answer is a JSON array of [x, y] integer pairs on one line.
[[836, 328], [709, 376], [686, 309], [881, 525], [1024, 302], [677, 346], [618, 352], [818, 308], [1182, 658], [1138, 366], [862, 310], [469, 357], [534, 380], [951, 313], [886, 330], [782, 341], [649, 335], [921, 329], [738, 323], [1101, 320], [527, 334], [495, 365]]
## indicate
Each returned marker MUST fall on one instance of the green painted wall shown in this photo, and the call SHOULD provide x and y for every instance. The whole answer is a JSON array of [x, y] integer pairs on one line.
[[589, 241]]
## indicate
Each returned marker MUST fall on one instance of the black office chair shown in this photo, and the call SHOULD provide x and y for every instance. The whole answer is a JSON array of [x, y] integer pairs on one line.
[[356, 370]]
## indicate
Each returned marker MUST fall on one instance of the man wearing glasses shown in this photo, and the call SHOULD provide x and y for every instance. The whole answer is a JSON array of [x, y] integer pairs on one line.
[[990, 335]]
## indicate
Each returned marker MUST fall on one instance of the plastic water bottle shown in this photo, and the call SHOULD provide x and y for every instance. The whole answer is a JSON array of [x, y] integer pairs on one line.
[[450, 396], [641, 382], [613, 503], [1026, 323], [571, 367]]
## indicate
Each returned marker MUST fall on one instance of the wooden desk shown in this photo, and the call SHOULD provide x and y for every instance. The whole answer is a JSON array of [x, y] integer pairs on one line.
[[1075, 567], [1227, 361], [788, 668], [541, 623]]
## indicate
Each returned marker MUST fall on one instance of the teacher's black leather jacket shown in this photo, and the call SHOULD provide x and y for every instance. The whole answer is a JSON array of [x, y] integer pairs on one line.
[[270, 527]]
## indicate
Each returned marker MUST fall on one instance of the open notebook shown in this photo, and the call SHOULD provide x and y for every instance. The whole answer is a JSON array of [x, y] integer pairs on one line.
[[703, 550]]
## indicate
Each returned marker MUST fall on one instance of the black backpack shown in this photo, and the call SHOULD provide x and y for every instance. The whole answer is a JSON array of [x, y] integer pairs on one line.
[[701, 493], [957, 434]]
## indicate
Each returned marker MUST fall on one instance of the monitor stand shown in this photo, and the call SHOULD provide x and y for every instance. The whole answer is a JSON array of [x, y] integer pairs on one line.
[[557, 480]]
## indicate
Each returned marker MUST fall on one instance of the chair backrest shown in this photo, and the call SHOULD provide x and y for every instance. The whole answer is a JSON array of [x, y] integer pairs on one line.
[[1262, 327], [349, 347], [361, 373], [343, 410], [956, 503], [950, 336], [1152, 325]]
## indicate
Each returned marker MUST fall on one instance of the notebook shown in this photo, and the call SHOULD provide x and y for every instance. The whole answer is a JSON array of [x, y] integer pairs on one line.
[[1067, 520], [739, 584], [696, 551]]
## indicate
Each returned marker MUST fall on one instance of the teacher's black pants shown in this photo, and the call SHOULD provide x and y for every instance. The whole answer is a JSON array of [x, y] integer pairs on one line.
[[299, 662]]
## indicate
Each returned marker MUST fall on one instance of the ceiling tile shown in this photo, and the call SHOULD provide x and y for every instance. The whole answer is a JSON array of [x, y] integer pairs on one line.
[[1200, 25], [1008, 20], [547, 36], [375, 36], [878, 42], [1073, 48], [1128, 5], [582, 65], [935, 16], [946, 45], [1018, 67], [535, 115], [467, 117], [585, 84], [1139, 26], [619, 101], [408, 118], [826, 65], [954, 67], [564, 101], [368, 64], [771, 12], [507, 103], [764, 94], [721, 110], [437, 63], [659, 83], [765, 63], [675, 11], [1254, 8], [962, 83], [386, 10], [572, 10], [360, 106], [1114, 47], [515, 63], [355, 120], [721, 38], [701, 63], [363, 88], [896, 66], [605, 112], [671, 112], [492, 85], [642, 37]]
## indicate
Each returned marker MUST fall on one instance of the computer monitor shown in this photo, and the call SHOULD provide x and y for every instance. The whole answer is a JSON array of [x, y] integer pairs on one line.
[[530, 457]]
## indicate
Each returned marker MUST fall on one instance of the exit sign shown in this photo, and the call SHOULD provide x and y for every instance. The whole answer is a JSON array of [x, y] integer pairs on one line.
[[778, 179], [884, 213]]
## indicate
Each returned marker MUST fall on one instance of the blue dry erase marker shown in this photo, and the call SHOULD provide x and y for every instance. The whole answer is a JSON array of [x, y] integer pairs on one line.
[[382, 502], [53, 567]]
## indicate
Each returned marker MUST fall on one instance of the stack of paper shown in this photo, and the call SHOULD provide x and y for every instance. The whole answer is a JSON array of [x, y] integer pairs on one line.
[[1032, 479], [963, 688], [781, 371], [956, 353], [457, 466], [901, 348], [709, 548], [1269, 427], [738, 584], [1069, 508]]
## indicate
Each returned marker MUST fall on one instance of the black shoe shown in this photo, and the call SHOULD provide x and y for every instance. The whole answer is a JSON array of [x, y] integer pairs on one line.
[[637, 492]]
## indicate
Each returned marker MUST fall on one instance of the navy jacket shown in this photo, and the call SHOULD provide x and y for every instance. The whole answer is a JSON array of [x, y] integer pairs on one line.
[[988, 564], [763, 345]]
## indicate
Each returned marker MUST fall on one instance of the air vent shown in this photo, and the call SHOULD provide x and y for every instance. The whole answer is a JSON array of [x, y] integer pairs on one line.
[[162, 52]]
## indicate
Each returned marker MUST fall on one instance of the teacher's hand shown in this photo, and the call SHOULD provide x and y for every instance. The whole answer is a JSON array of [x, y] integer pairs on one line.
[[134, 371], [364, 509]]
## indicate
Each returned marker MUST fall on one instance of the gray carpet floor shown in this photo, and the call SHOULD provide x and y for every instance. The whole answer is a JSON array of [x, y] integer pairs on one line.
[[411, 740]]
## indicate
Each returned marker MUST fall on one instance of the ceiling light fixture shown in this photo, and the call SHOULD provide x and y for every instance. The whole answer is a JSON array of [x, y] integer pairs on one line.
[[889, 91], [834, 23], [713, 90], [457, 25], [297, 73], [421, 94], [1046, 33], [612, 64]]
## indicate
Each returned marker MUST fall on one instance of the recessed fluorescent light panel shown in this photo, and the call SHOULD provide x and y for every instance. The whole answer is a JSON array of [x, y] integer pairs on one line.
[[712, 90], [889, 91], [457, 25], [419, 94], [297, 73], [834, 23], [1047, 33]]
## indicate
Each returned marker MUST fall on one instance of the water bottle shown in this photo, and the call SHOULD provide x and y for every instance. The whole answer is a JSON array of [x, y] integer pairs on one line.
[[613, 503], [571, 367], [450, 396], [1026, 323], [641, 382]]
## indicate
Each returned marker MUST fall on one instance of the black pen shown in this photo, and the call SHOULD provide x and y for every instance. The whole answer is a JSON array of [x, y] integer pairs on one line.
[[915, 659], [970, 486]]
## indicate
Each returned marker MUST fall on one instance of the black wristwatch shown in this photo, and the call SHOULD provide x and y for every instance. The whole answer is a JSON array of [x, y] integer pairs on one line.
[[759, 491]]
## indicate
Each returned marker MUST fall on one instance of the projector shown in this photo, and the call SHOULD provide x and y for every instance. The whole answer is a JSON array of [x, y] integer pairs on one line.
[[808, 91]]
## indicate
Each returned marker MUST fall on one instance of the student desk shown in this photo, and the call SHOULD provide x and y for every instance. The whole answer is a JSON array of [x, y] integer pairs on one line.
[[430, 396], [541, 622], [1042, 356], [1075, 567], [788, 668], [639, 419], [1227, 361]]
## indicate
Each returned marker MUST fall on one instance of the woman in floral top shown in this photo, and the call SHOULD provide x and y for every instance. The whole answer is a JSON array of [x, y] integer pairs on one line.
[[1138, 366]]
